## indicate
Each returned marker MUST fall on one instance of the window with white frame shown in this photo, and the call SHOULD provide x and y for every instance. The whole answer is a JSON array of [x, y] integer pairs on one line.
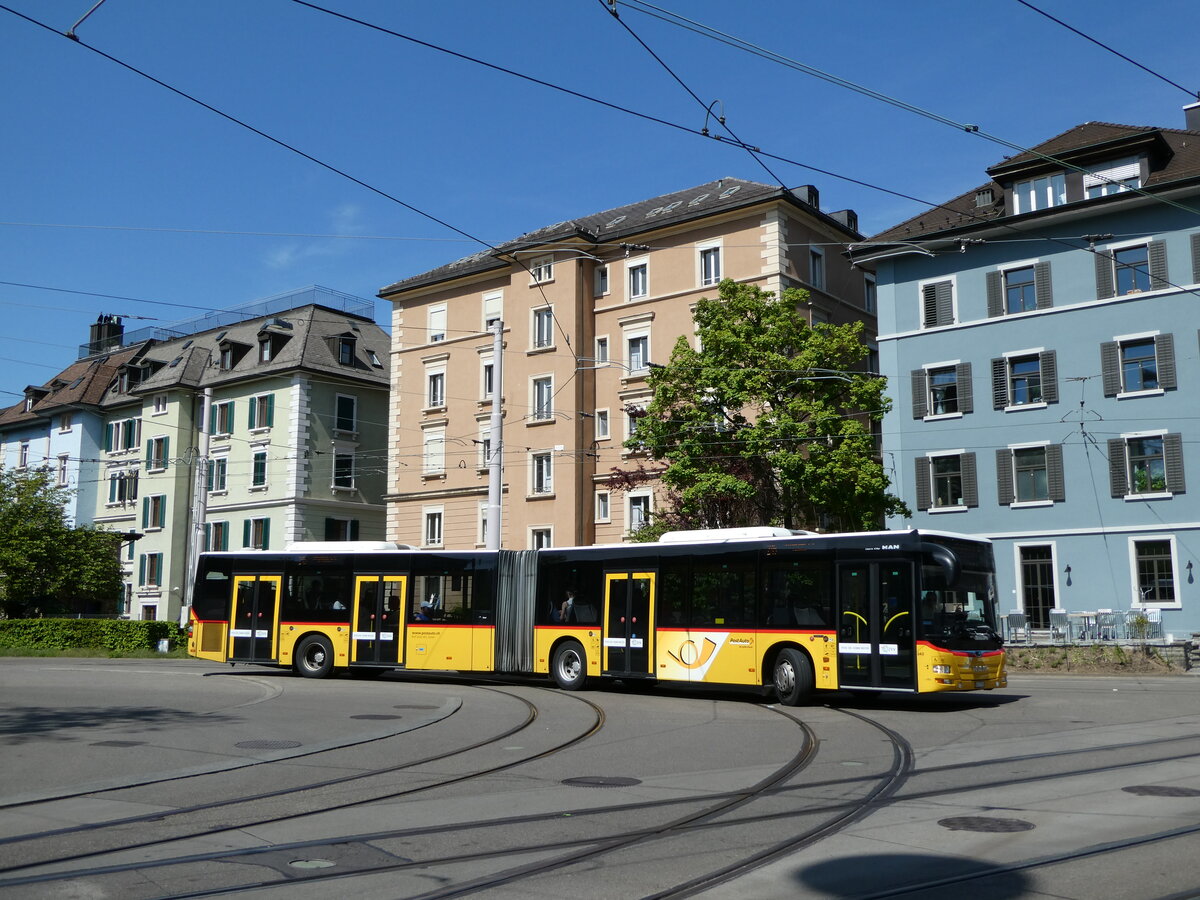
[[937, 304], [23, 455], [1138, 364], [870, 293], [346, 350], [262, 411], [1113, 177], [543, 327], [437, 324], [709, 263], [1030, 474], [123, 486], [639, 509], [1025, 378], [493, 309], [151, 574], [62, 470], [1153, 565], [1131, 268], [435, 388], [1039, 193], [602, 427], [160, 404], [339, 529], [264, 349], [946, 481], [542, 269], [154, 511], [816, 267], [1146, 464], [484, 443], [942, 389], [540, 538], [487, 378], [601, 350], [600, 281], [256, 534], [431, 532], [434, 457], [258, 469], [345, 413], [343, 469], [638, 272], [637, 352], [218, 474], [482, 531], [542, 473], [65, 420], [222, 418], [603, 506], [216, 536], [543, 398], [156, 453], [124, 434], [634, 412]]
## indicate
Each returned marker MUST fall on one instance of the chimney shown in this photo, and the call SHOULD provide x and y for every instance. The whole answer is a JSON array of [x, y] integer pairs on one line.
[[1191, 114], [106, 333]]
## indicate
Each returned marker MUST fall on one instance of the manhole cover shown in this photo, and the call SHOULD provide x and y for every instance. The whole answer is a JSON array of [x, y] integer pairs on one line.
[[601, 781], [1160, 790], [412, 706], [375, 716], [267, 745], [312, 864], [985, 823], [119, 744]]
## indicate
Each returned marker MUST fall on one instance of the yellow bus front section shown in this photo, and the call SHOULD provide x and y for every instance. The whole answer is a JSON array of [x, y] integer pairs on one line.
[[958, 670]]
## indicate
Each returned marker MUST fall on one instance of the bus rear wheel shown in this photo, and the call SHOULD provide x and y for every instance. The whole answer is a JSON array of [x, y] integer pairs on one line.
[[314, 657], [569, 666], [793, 677]]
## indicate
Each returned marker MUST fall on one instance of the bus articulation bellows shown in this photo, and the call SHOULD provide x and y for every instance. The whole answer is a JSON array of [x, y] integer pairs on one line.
[[797, 613]]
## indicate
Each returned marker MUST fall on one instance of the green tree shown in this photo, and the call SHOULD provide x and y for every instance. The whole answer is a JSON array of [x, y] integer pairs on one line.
[[47, 567], [767, 424]]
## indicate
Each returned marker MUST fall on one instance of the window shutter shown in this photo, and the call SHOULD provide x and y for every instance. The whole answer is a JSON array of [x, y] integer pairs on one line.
[[995, 294], [208, 537], [250, 423], [1105, 287], [112, 489], [966, 400], [919, 393], [969, 484], [209, 480], [270, 410], [999, 383], [266, 544], [142, 570], [224, 537], [1157, 253], [1004, 477], [1173, 453], [945, 303], [354, 529], [166, 452], [330, 529], [1110, 368], [1196, 258], [108, 437], [929, 306], [149, 454], [245, 532], [1054, 473], [162, 513], [1116, 467], [1164, 351], [145, 512], [1042, 285], [212, 419], [924, 495], [1049, 365]]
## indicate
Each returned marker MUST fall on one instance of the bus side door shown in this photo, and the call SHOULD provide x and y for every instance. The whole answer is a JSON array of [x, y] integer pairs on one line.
[[378, 616], [628, 633], [254, 622], [876, 645]]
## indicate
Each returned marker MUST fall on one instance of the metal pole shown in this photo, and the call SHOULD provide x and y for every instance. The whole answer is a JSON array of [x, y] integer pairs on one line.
[[195, 541], [495, 455]]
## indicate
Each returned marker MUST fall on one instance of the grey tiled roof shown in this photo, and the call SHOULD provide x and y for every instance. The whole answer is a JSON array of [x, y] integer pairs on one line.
[[622, 224]]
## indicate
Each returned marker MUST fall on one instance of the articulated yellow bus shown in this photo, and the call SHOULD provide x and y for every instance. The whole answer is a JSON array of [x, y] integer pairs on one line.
[[795, 613]]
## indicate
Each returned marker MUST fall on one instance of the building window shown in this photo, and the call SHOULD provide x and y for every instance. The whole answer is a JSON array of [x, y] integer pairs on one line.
[[345, 413], [1138, 363], [218, 473], [160, 404], [258, 471], [603, 506], [1131, 270], [1021, 289], [601, 350], [1039, 193], [493, 308], [23, 455], [374, 358], [154, 511], [946, 481], [638, 352], [483, 525], [816, 268], [601, 281], [942, 389], [487, 379], [156, 454], [226, 357], [1155, 571], [710, 265], [870, 294], [543, 473], [542, 269], [341, 529], [543, 327], [937, 304], [1029, 470], [432, 532], [343, 469], [264, 350], [216, 536], [346, 349], [1020, 294], [540, 538], [437, 324], [639, 280], [65, 421], [125, 434], [151, 574], [1146, 464], [222, 418], [262, 411], [640, 508], [1112, 177], [123, 487], [256, 534], [1030, 474], [62, 471], [543, 399], [434, 461], [435, 395], [1025, 379], [602, 430], [485, 447]]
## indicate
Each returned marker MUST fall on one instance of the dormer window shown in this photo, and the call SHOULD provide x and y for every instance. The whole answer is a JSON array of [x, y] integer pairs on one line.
[[346, 347], [1039, 193], [1112, 177], [227, 357], [264, 350]]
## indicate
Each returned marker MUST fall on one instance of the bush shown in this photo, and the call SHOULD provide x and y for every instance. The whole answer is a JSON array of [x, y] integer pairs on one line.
[[111, 635]]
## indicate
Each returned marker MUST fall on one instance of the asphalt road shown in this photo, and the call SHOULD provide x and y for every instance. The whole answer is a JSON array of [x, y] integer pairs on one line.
[[139, 779]]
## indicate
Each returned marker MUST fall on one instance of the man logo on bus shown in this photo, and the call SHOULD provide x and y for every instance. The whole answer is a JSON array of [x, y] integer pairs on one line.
[[692, 657]]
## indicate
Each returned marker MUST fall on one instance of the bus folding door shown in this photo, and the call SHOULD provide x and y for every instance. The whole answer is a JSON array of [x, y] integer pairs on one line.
[[254, 622], [876, 646], [378, 635], [628, 634]]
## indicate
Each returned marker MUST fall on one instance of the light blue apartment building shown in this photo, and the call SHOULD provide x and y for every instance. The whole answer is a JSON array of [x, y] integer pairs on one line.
[[1041, 337]]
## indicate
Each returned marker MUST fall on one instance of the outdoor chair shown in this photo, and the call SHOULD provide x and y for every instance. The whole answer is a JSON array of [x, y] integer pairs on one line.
[[1060, 626], [1017, 623]]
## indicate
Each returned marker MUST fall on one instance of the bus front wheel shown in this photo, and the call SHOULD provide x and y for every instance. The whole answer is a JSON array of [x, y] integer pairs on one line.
[[569, 666], [314, 657], [793, 677]]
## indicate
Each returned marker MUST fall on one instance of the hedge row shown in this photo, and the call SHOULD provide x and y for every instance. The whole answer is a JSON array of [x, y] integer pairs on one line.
[[114, 635]]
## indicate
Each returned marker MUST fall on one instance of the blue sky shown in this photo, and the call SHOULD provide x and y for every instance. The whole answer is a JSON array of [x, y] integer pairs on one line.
[[113, 185]]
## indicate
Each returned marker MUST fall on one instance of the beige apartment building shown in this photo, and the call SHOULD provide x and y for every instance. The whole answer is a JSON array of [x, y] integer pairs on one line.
[[588, 307]]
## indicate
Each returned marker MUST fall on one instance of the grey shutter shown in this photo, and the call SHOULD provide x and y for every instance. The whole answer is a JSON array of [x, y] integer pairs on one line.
[[1117, 479], [1049, 365], [919, 392], [1110, 368], [1054, 473], [945, 303], [966, 401], [1157, 252], [1196, 258], [969, 485], [1042, 285], [924, 496], [1004, 477], [1105, 287], [999, 383], [1164, 351], [929, 306], [1173, 453], [995, 295]]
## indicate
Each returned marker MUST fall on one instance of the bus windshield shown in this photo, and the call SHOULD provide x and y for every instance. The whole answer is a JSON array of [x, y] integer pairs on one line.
[[962, 617]]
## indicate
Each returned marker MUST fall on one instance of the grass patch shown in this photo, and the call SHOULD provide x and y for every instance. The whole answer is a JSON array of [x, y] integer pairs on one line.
[[1090, 659]]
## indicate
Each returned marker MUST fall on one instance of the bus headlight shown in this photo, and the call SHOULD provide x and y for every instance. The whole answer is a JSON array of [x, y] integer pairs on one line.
[[941, 670]]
